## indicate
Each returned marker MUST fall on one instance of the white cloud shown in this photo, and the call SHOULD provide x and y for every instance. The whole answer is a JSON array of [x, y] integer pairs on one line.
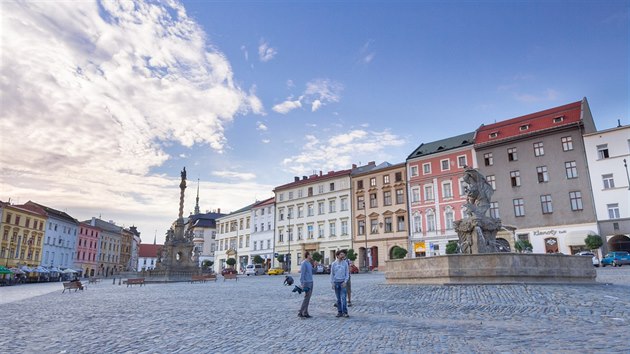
[[261, 126], [245, 52], [265, 141], [265, 52], [287, 106], [234, 175], [183, 156], [316, 105], [93, 92], [339, 151]]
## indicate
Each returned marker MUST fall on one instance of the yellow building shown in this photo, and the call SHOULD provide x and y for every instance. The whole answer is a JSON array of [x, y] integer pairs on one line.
[[22, 229]]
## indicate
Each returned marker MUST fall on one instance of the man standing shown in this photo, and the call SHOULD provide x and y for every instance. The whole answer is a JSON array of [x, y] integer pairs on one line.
[[339, 275], [306, 281]]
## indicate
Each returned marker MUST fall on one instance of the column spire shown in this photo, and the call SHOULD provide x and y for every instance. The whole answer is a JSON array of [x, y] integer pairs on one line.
[[197, 203]]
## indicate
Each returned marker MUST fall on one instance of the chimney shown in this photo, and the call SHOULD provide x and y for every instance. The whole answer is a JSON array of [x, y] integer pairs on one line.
[[372, 163], [320, 172], [218, 210], [296, 178], [304, 178], [354, 165], [618, 123]]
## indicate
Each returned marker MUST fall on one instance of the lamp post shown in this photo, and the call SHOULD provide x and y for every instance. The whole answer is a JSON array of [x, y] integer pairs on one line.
[[627, 175], [289, 236], [365, 261]]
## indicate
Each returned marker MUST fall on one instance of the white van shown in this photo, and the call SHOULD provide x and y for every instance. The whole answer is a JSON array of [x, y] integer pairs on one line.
[[254, 269]]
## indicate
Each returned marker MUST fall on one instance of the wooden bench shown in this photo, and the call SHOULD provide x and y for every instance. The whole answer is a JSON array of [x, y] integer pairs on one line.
[[76, 285], [209, 277], [230, 276], [132, 281], [198, 278]]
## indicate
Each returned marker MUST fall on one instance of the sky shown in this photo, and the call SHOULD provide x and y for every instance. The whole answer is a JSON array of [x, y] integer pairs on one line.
[[104, 102]]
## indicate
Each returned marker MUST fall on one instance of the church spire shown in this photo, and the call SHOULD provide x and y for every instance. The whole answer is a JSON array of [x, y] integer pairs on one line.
[[197, 203], [155, 237]]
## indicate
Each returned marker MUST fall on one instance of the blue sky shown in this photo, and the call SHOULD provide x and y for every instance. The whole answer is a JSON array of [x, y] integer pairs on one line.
[[103, 103]]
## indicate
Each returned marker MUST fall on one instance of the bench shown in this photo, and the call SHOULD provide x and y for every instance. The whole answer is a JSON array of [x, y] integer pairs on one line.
[[198, 278], [132, 281], [209, 277], [76, 285], [230, 276]]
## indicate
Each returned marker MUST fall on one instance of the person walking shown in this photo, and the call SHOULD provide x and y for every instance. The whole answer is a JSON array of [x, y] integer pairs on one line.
[[306, 282], [339, 275]]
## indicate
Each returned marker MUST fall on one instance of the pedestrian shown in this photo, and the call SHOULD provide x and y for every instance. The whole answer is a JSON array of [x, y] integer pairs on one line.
[[306, 282], [339, 276], [349, 283]]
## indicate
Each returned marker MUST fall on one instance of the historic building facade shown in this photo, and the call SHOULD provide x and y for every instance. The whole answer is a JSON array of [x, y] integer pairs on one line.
[[379, 211], [437, 192], [262, 232], [313, 214], [608, 155], [233, 239], [87, 249], [60, 238], [109, 243], [203, 227], [537, 165], [22, 228]]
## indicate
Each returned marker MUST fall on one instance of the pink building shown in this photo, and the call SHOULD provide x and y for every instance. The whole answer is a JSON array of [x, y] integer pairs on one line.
[[87, 249], [436, 192]]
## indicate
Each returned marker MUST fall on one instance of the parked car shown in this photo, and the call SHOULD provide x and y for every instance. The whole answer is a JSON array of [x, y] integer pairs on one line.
[[254, 269], [616, 259], [275, 271], [591, 254], [228, 271]]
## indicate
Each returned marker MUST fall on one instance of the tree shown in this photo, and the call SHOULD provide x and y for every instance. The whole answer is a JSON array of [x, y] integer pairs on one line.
[[258, 259], [398, 252], [317, 257], [231, 262], [207, 264], [351, 255], [593, 242], [523, 246], [451, 247], [280, 258]]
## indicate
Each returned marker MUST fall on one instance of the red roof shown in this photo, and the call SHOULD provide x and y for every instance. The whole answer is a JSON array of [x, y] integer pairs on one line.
[[314, 179], [34, 209], [568, 114], [148, 250], [269, 201]]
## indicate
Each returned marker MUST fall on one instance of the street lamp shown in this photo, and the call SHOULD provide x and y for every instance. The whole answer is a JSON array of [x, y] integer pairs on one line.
[[627, 175], [289, 236], [365, 255]]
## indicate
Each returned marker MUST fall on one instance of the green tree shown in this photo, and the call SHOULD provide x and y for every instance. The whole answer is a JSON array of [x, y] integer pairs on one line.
[[523, 246], [258, 259], [351, 255], [593, 242], [280, 258], [207, 264], [399, 252], [317, 257], [451, 247], [231, 262]]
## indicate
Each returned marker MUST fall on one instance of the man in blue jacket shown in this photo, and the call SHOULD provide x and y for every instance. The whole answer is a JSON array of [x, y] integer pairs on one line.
[[339, 276]]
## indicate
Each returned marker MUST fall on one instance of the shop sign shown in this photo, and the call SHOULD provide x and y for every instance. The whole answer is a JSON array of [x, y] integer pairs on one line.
[[419, 246], [552, 232]]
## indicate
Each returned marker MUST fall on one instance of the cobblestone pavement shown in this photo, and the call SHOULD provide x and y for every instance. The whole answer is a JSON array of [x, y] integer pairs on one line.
[[259, 314]]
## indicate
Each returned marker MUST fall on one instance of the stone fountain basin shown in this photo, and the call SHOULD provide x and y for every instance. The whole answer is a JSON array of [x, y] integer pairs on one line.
[[492, 268]]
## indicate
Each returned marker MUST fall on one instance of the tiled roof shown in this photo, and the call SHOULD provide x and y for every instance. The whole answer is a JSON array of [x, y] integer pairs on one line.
[[34, 209], [105, 226], [568, 114], [148, 250], [313, 179], [443, 145], [54, 212], [266, 202]]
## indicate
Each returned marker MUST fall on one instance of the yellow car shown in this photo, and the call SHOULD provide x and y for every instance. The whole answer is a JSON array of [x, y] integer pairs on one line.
[[275, 271]]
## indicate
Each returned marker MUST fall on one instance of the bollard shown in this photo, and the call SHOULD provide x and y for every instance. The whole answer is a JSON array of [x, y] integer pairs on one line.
[[114, 283], [119, 281]]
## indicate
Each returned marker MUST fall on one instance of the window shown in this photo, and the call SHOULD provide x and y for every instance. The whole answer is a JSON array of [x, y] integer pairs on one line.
[[447, 190], [539, 150], [344, 227], [373, 226], [400, 199], [426, 168], [388, 224], [309, 232], [8, 219], [290, 213], [414, 171], [545, 202], [373, 202], [373, 182], [320, 189], [398, 176], [567, 143], [385, 179], [299, 193], [332, 206], [543, 175], [570, 168], [401, 223], [428, 192], [487, 159], [344, 204], [310, 192], [519, 207], [493, 135], [512, 154], [361, 227], [492, 181], [415, 195], [361, 202], [320, 208], [430, 221], [613, 211], [360, 184], [462, 187], [576, 200], [608, 180], [558, 119], [445, 165], [417, 224], [332, 187], [320, 230], [310, 210], [515, 178], [387, 198], [524, 127], [290, 195], [494, 210], [448, 218], [461, 161], [300, 211], [602, 151]]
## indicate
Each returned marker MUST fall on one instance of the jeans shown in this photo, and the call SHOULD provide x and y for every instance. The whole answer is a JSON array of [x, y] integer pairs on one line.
[[340, 292]]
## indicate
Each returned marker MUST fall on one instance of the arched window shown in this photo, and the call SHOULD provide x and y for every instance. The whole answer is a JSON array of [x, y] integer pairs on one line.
[[430, 220], [449, 217], [417, 223]]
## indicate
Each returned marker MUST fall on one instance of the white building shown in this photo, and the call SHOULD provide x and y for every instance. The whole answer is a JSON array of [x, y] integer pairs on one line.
[[313, 214], [608, 156], [233, 239], [147, 256], [262, 232], [204, 230]]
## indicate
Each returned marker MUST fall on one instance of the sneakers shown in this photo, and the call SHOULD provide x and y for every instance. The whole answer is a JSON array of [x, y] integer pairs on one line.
[[300, 315], [339, 314], [307, 316], [346, 315], [335, 304], [349, 304]]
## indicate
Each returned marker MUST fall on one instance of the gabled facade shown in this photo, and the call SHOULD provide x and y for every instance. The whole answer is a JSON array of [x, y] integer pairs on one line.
[[22, 228], [126, 244], [87, 249], [379, 210], [60, 238], [313, 214], [109, 244], [233, 238], [608, 155], [437, 192], [204, 231], [147, 256], [262, 231], [537, 165]]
